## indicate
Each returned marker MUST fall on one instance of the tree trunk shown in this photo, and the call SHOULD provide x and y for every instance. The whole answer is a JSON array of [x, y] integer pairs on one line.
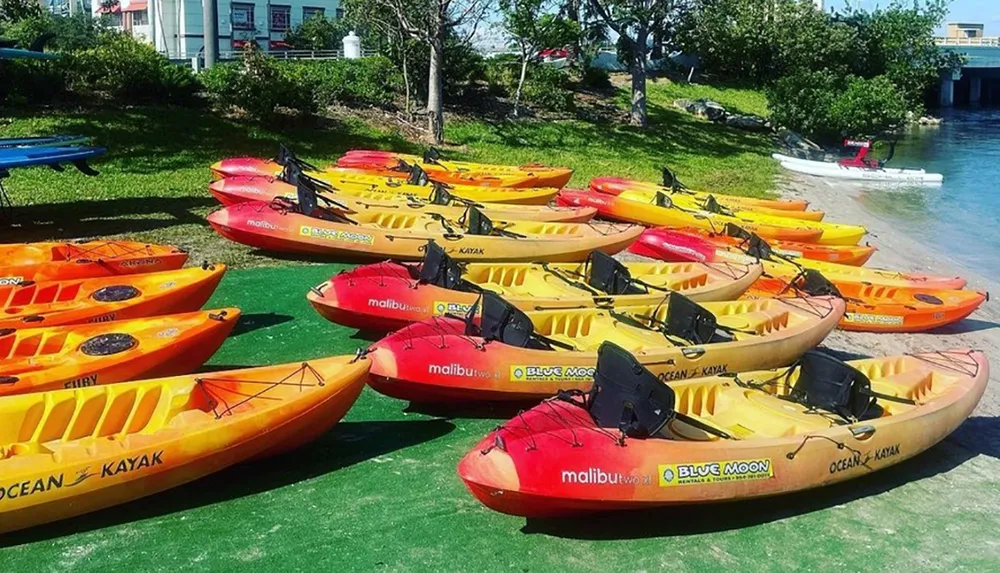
[[520, 82], [435, 113], [638, 111], [406, 83]]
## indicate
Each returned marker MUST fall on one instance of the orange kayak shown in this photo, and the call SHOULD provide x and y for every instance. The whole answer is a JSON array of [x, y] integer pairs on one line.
[[58, 261], [461, 172], [879, 308], [53, 303], [56, 357], [70, 452]]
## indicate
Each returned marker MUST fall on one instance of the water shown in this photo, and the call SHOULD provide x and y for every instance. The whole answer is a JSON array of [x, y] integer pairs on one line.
[[962, 216]]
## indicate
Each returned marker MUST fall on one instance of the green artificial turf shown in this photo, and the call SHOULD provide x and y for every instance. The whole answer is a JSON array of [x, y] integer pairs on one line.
[[380, 493]]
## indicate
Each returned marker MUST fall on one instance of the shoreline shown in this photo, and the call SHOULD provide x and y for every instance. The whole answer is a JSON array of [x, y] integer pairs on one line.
[[900, 251]]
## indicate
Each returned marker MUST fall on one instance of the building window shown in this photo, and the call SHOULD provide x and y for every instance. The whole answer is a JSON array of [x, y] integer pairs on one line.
[[310, 11], [340, 13], [280, 18], [140, 18], [242, 17]]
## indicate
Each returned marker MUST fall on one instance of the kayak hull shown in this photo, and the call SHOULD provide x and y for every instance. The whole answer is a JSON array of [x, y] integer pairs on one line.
[[837, 171], [105, 299], [389, 234], [90, 259], [179, 429], [553, 461], [53, 358], [437, 361], [235, 190], [388, 295]]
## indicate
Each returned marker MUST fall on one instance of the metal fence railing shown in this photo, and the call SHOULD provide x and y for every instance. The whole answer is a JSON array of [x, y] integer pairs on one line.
[[992, 41], [279, 54]]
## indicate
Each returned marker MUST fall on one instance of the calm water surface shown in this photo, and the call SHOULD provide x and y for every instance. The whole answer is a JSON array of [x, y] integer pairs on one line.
[[962, 216]]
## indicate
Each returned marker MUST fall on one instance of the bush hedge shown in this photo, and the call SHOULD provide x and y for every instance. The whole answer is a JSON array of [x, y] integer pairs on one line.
[[545, 87]]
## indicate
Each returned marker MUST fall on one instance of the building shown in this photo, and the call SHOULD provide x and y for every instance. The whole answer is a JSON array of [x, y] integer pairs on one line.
[[175, 27], [965, 31]]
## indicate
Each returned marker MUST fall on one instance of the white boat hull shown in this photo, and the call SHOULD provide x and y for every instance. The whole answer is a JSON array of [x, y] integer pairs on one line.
[[837, 171]]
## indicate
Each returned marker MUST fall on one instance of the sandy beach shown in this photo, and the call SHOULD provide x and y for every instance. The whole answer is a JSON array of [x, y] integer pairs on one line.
[[899, 251]]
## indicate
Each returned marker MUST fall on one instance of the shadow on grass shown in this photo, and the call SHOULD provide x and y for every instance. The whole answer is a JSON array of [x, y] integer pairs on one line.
[[90, 218], [977, 436], [158, 139], [256, 321], [347, 444]]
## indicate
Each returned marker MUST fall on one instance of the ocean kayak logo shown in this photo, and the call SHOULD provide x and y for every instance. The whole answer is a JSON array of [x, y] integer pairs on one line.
[[28, 488], [443, 307], [597, 476], [11, 281], [714, 472], [528, 373], [391, 304], [132, 464], [856, 459], [456, 369], [336, 235]]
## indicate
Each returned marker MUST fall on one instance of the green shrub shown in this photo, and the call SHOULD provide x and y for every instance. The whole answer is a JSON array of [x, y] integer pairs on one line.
[[258, 85], [71, 33], [825, 106], [548, 88], [501, 74], [32, 81], [373, 81], [317, 33], [596, 78], [545, 87], [127, 70]]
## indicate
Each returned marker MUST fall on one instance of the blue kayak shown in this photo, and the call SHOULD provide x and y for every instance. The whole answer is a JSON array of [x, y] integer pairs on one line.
[[28, 156], [18, 54], [42, 141]]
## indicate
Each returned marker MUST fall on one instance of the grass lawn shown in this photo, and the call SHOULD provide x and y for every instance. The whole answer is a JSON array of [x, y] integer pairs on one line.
[[153, 182]]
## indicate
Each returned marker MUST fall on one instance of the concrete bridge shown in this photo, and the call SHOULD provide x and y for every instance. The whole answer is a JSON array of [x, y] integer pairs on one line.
[[978, 81]]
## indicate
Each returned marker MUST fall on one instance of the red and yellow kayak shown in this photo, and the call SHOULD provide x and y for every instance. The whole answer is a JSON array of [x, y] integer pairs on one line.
[[440, 360], [56, 357], [698, 199], [52, 261], [400, 235], [70, 452], [670, 245], [53, 303], [410, 198], [617, 186], [724, 438], [389, 295]]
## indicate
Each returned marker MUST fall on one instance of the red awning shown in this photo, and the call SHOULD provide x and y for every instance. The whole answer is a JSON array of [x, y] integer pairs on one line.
[[110, 9], [136, 6]]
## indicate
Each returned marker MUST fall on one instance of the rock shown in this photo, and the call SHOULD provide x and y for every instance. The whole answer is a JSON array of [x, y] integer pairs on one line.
[[683, 103], [714, 111], [793, 140], [929, 120], [748, 122]]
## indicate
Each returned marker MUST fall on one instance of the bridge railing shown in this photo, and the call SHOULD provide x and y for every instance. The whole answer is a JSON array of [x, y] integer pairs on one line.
[[992, 41]]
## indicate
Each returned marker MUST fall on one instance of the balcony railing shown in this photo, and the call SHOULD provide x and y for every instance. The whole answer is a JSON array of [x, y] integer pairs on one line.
[[993, 41]]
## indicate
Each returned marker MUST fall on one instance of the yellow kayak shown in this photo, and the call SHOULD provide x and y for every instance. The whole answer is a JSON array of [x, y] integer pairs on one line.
[[833, 233]]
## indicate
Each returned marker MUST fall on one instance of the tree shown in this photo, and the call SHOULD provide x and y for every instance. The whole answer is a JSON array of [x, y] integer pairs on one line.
[[633, 21], [316, 33], [530, 30], [431, 22]]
